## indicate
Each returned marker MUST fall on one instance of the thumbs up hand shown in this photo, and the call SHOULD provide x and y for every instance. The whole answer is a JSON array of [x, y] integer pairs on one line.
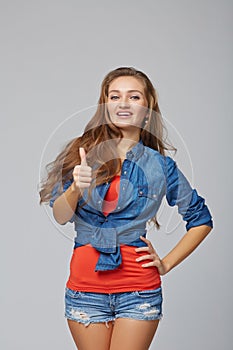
[[82, 173], [82, 154]]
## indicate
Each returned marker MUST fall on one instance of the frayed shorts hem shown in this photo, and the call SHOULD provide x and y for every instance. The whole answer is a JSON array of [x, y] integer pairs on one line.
[[87, 323], [87, 307], [159, 318]]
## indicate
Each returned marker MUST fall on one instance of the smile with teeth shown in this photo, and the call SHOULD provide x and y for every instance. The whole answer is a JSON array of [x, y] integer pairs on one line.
[[124, 114]]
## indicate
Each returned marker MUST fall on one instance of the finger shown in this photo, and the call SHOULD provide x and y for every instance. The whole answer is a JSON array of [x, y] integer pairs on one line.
[[142, 249], [144, 257], [84, 185], [82, 170], [82, 154], [151, 264], [155, 262], [86, 179], [145, 240]]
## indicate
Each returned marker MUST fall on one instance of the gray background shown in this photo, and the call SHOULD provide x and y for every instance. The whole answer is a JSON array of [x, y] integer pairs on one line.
[[54, 55]]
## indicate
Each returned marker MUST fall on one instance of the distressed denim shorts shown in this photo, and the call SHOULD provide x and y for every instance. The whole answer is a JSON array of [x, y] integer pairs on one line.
[[88, 307]]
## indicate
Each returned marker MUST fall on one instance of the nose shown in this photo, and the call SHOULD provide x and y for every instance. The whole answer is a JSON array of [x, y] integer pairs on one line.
[[124, 103]]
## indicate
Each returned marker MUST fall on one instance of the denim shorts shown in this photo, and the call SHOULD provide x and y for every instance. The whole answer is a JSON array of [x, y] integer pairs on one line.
[[88, 307]]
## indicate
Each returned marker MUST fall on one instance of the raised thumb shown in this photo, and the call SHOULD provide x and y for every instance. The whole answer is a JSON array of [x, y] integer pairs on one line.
[[82, 154]]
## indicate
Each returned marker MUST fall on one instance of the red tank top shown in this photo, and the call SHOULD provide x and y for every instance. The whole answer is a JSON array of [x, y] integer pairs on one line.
[[129, 276]]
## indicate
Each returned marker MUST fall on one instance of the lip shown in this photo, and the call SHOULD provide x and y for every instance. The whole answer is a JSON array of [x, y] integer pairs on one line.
[[124, 114]]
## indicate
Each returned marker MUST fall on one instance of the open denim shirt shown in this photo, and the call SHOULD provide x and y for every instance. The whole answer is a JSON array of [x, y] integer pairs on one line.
[[146, 177]]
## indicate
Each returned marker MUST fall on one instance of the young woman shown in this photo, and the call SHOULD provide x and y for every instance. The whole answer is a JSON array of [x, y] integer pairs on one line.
[[110, 182]]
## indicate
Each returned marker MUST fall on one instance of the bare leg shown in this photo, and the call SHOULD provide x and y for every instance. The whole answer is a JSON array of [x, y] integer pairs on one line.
[[129, 334], [94, 336]]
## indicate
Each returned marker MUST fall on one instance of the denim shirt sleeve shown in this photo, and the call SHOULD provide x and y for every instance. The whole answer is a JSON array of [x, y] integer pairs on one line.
[[191, 206], [56, 192]]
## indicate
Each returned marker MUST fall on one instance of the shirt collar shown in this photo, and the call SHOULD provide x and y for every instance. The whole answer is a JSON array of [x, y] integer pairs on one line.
[[136, 151]]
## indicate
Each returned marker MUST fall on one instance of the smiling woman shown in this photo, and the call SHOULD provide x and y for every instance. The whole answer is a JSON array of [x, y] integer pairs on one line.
[[127, 105], [110, 183], [128, 109]]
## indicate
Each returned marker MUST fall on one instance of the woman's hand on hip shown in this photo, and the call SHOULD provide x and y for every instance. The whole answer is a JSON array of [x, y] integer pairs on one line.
[[151, 255]]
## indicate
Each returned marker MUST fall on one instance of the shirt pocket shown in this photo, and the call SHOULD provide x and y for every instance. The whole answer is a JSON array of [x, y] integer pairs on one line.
[[150, 192], [146, 200]]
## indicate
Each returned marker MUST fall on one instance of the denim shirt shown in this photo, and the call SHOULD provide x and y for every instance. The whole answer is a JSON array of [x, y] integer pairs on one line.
[[146, 177]]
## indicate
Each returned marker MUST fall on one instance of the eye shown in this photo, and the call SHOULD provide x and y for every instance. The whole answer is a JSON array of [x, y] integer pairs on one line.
[[135, 97], [114, 97]]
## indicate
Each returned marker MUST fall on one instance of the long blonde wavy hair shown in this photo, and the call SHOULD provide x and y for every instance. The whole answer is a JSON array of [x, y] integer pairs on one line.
[[103, 154]]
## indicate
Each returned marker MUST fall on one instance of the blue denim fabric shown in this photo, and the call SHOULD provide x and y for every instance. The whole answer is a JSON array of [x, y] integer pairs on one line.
[[146, 177], [88, 307]]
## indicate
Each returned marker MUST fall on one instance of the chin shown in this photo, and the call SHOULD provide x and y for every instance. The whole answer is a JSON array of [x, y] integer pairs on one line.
[[125, 123]]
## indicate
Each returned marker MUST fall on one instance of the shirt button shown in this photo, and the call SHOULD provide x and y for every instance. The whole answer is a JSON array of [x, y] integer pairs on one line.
[[129, 155], [99, 202], [140, 192], [123, 188], [154, 195], [125, 172], [118, 207]]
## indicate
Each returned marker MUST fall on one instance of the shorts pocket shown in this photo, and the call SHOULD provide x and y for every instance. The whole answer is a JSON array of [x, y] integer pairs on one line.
[[73, 293], [149, 293]]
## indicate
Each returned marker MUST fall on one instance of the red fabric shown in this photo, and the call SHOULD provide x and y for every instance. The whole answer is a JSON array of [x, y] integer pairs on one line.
[[129, 276], [111, 198]]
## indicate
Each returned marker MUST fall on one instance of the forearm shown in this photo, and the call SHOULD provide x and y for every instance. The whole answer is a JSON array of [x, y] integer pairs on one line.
[[188, 243], [65, 205]]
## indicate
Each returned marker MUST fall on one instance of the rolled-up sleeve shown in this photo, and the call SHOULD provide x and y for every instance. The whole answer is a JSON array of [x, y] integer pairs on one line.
[[191, 206], [58, 190]]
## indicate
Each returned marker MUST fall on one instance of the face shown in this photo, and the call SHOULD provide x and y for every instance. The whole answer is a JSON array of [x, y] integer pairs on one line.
[[127, 105]]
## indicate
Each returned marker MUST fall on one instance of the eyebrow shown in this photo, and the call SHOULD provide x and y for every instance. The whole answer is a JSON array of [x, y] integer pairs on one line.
[[118, 91]]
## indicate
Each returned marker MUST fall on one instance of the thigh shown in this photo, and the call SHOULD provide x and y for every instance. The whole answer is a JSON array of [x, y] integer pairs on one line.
[[137, 318], [130, 334], [89, 319], [93, 336]]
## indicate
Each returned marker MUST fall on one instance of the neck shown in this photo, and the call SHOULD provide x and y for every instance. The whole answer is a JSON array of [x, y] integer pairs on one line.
[[125, 145], [132, 133]]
